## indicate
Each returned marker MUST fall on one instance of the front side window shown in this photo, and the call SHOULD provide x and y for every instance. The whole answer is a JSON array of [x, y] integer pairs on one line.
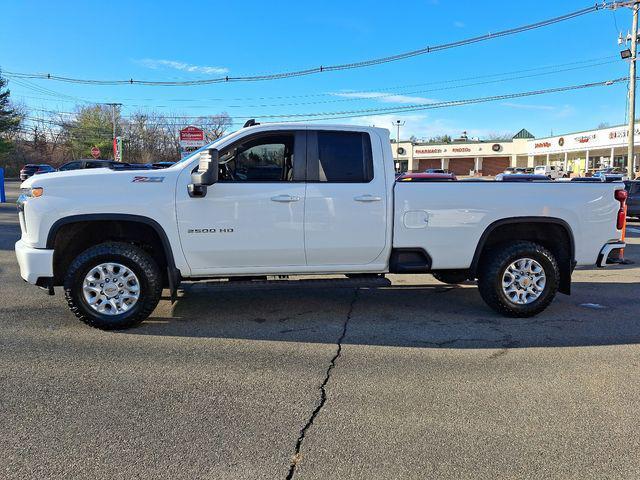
[[344, 157], [267, 158]]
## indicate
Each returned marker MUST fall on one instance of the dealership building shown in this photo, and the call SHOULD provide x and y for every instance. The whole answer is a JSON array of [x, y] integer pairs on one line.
[[580, 153]]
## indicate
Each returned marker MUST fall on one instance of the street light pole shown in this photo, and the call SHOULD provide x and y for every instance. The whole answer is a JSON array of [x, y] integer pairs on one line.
[[398, 124]]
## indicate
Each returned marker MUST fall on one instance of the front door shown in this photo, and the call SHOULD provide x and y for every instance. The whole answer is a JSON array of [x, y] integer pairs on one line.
[[253, 218]]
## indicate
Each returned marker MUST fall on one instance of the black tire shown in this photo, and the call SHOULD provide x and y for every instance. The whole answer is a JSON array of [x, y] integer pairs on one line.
[[493, 269], [132, 257], [452, 277]]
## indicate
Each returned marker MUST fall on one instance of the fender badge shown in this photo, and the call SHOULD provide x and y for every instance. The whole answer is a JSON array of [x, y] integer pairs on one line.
[[147, 179]]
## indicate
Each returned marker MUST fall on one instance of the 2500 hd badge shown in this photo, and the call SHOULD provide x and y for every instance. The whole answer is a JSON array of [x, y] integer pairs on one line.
[[210, 230]]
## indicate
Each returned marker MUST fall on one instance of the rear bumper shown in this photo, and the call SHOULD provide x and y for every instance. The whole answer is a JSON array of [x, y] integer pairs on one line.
[[609, 254], [34, 262]]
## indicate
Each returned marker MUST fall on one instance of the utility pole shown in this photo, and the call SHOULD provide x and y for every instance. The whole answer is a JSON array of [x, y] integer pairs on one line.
[[113, 119], [632, 92], [398, 124]]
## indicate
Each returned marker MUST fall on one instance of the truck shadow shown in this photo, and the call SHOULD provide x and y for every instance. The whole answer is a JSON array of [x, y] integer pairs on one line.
[[423, 316]]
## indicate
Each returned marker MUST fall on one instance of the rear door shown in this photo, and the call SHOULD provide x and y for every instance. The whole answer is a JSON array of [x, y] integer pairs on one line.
[[252, 220], [346, 202]]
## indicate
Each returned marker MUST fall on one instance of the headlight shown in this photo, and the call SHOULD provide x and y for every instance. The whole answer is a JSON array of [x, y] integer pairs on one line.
[[32, 192]]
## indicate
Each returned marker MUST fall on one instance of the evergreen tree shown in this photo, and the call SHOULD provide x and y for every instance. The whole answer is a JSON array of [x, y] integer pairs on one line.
[[9, 118]]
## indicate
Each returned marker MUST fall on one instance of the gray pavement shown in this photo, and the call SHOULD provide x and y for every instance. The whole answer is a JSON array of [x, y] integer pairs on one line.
[[414, 380]]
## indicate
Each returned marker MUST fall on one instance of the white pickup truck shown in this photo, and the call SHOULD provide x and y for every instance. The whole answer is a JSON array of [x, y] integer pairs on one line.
[[285, 199]]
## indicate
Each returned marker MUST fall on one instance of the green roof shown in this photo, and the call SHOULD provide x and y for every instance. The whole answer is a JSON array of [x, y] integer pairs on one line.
[[524, 133]]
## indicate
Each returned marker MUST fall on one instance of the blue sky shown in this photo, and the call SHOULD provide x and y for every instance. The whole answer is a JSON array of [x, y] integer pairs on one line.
[[186, 40]]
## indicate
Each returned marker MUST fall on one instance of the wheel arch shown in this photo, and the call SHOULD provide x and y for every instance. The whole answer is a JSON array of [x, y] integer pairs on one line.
[[173, 274], [558, 238]]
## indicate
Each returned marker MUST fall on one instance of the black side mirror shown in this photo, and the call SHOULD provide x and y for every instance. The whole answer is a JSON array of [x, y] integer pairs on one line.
[[206, 175]]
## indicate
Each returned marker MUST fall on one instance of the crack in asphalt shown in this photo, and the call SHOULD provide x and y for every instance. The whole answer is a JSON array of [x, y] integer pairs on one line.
[[323, 391]]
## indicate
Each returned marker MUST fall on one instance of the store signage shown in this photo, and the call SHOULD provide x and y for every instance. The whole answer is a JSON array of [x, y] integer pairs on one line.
[[585, 138], [460, 149], [496, 147], [95, 152], [561, 141], [542, 145], [428, 150], [191, 139], [622, 133], [401, 151]]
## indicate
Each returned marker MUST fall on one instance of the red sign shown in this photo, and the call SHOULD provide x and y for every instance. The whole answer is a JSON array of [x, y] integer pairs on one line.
[[191, 133], [95, 152]]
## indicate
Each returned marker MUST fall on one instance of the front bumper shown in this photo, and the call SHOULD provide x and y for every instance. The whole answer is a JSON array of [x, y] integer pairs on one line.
[[610, 254], [34, 263]]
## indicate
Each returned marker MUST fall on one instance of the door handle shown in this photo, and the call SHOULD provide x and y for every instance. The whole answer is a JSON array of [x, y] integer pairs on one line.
[[285, 198], [367, 198]]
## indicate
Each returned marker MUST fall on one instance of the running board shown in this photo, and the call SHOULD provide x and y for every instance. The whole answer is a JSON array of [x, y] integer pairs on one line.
[[209, 285]]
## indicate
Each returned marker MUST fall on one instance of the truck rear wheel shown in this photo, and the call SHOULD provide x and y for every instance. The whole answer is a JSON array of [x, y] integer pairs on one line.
[[113, 286], [519, 280]]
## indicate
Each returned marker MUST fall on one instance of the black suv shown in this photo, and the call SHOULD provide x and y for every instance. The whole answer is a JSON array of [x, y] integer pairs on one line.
[[633, 200], [85, 163]]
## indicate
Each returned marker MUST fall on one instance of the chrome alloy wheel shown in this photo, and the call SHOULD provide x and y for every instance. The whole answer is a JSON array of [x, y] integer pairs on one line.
[[111, 288], [523, 281]]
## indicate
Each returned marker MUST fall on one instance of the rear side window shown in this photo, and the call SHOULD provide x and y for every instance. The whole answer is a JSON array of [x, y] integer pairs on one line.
[[344, 157]]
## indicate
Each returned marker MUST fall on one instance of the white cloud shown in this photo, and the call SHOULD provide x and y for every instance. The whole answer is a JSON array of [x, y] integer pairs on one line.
[[185, 67], [422, 126], [386, 97]]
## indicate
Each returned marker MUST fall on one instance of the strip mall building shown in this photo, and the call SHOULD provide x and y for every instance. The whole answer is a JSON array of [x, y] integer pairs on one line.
[[580, 152]]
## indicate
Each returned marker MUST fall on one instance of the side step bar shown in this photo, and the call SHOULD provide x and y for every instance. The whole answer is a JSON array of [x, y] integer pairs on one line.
[[304, 283]]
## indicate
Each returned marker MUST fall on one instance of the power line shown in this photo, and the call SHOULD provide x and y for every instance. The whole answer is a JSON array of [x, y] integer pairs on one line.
[[321, 116], [380, 95], [321, 69]]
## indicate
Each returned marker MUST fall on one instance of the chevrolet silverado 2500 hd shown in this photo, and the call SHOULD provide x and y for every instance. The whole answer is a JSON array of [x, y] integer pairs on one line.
[[303, 199]]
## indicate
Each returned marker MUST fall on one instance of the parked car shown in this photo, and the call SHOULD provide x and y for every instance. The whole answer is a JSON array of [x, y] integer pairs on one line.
[[612, 174], [113, 241], [515, 171], [427, 177], [435, 170], [554, 172], [100, 163], [85, 163], [633, 199], [521, 177], [33, 169]]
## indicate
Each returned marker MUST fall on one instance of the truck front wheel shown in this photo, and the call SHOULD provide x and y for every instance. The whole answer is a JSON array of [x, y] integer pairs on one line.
[[113, 286], [519, 279]]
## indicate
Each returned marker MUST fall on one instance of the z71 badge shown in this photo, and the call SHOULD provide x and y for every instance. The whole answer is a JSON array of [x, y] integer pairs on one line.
[[147, 179]]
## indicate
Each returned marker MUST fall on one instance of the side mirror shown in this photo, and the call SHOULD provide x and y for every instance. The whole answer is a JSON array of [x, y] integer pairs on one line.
[[207, 173]]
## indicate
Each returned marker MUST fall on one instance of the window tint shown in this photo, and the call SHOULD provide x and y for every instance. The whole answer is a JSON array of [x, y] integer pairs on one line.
[[267, 158], [344, 157]]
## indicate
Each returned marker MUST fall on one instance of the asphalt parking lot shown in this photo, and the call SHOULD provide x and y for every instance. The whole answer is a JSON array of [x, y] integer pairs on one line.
[[414, 380]]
